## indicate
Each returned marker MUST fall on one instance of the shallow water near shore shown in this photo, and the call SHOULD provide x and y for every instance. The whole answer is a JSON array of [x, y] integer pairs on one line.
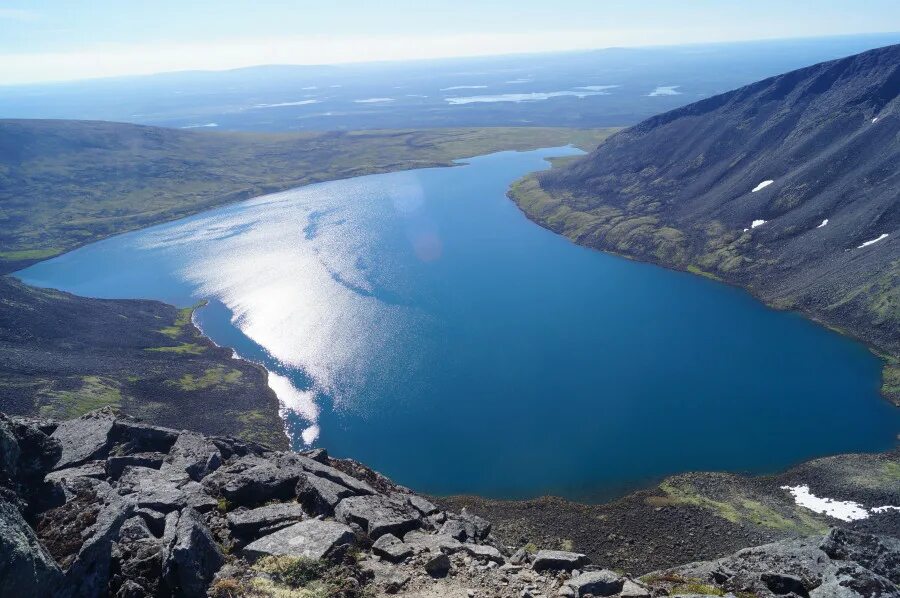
[[418, 322]]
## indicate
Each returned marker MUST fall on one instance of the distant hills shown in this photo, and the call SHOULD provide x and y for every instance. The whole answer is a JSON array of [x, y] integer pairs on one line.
[[789, 187]]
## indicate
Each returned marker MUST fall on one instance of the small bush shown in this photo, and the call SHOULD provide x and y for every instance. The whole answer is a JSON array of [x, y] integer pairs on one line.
[[227, 587], [293, 571]]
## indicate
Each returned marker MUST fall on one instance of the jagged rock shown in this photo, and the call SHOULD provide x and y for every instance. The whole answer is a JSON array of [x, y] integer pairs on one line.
[[459, 529], [294, 460], [391, 548], [251, 523], [193, 454], [482, 552], [519, 557], [137, 560], [632, 589], [85, 438], [260, 484], [482, 526], [193, 557], [598, 583], [155, 520], [91, 469], [160, 491], [438, 565], [89, 573], [377, 515], [558, 560], [116, 464], [880, 554], [319, 495], [312, 538], [133, 437], [425, 507], [421, 542], [26, 568], [781, 584], [26, 452], [319, 454]]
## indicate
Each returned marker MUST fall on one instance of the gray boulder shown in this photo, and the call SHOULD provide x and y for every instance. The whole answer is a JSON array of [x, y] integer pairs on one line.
[[116, 464], [295, 460], [423, 506], [192, 557], [194, 455], [91, 469], [421, 542], [378, 515], [26, 569], [483, 552], [482, 526], [558, 560], [392, 549], [260, 484], [597, 583], [438, 565], [880, 554], [85, 438], [312, 538], [320, 495], [89, 573], [164, 492], [134, 437], [463, 531], [251, 523]]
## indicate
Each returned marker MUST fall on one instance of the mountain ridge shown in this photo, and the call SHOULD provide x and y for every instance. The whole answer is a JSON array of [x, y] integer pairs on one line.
[[685, 189]]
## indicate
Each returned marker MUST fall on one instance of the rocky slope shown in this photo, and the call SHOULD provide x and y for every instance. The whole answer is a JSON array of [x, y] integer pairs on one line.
[[106, 505], [788, 187], [63, 355]]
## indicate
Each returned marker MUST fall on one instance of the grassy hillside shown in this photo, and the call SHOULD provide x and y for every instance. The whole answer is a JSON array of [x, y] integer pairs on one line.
[[67, 183], [680, 189], [62, 356]]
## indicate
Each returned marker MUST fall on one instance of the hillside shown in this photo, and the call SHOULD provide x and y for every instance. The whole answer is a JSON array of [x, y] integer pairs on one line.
[[63, 355], [789, 187], [64, 184]]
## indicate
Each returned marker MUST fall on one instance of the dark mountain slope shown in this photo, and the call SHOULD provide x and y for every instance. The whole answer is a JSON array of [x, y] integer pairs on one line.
[[677, 190]]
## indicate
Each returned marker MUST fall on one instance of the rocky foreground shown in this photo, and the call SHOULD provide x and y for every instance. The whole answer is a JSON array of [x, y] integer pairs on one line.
[[106, 505]]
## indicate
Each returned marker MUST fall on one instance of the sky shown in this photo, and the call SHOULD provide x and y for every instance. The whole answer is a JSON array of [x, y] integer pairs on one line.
[[55, 40]]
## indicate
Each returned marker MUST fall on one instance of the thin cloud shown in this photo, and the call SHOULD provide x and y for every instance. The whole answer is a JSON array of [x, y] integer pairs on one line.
[[19, 14]]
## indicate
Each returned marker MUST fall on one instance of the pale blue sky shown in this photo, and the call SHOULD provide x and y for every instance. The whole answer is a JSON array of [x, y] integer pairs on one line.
[[70, 39]]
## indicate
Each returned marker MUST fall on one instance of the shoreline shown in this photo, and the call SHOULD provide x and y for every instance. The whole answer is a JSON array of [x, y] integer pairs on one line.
[[890, 369]]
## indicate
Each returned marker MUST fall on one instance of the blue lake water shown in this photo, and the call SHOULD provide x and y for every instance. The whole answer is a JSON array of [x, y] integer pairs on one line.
[[418, 322]]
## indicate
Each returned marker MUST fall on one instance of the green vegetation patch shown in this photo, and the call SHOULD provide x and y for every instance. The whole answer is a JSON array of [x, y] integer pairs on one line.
[[739, 508], [94, 393], [182, 320], [92, 180], [213, 377], [182, 349]]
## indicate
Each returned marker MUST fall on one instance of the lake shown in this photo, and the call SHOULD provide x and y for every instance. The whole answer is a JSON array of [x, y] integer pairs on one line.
[[418, 322]]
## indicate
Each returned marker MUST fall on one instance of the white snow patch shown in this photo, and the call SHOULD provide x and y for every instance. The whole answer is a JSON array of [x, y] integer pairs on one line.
[[374, 101], [762, 185], [867, 243], [875, 119], [756, 223], [845, 510], [201, 126], [301, 402], [746, 229], [824, 222]]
